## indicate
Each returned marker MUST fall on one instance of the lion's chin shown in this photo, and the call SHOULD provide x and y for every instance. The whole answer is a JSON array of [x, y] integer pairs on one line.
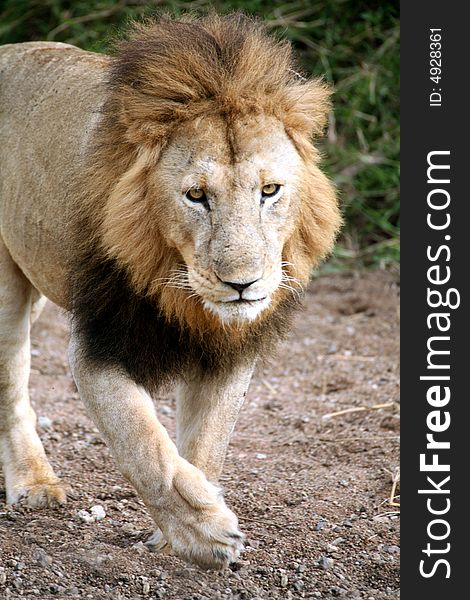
[[238, 311]]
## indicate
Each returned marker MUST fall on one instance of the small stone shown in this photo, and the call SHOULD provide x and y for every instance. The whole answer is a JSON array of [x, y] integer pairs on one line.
[[85, 517], [145, 585], [337, 541], [347, 523], [3, 576], [336, 591], [42, 558], [322, 523], [391, 549], [326, 563], [98, 512], [333, 348], [284, 580], [17, 583], [260, 455], [19, 566], [332, 549], [44, 423], [139, 547], [166, 410], [301, 568]]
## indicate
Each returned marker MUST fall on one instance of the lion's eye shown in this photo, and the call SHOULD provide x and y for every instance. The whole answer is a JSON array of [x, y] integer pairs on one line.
[[271, 189], [196, 195]]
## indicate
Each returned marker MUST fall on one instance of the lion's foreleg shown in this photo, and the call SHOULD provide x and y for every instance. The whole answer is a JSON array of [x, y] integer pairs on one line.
[[189, 510], [207, 409], [28, 475]]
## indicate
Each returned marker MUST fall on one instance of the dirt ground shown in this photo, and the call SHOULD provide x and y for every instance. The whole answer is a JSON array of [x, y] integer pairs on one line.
[[311, 492]]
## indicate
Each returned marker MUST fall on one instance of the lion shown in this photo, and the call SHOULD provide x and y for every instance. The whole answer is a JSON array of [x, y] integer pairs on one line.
[[170, 198]]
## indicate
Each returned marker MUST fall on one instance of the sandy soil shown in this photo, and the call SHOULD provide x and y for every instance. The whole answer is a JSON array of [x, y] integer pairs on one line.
[[312, 493]]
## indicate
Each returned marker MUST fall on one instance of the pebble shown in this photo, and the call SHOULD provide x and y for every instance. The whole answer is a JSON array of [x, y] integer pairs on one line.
[[284, 580], [166, 410], [98, 512], [42, 558], [391, 549], [260, 455], [337, 541], [3, 576], [332, 549], [44, 423], [336, 591], [139, 547], [347, 523], [145, 585], [322, 523], [326, 563], [85, 517]]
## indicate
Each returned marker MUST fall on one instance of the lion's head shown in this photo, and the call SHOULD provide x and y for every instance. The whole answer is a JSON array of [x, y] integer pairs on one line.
[[214, 202]]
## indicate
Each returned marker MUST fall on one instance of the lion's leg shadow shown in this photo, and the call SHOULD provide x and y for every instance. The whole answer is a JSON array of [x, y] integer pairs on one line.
[[29, 478], [189, 510], [206, 411]]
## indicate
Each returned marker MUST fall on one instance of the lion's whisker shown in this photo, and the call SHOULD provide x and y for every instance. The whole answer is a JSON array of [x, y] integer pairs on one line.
[[290, 279], [291, 289]]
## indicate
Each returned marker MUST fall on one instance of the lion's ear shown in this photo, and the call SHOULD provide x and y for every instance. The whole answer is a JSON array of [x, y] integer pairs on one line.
[[306, 107]]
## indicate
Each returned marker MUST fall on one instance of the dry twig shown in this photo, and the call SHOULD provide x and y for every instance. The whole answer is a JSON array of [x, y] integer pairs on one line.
[[360, 409]]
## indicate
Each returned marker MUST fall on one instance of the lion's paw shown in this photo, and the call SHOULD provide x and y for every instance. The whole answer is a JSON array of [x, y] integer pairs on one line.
[[197, 525], [40, 495]]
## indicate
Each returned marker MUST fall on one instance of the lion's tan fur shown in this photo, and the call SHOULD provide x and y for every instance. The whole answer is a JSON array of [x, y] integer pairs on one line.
[[90, 149]]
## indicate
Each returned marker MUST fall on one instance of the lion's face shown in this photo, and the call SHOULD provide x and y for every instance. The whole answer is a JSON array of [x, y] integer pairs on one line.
[[231, 198]]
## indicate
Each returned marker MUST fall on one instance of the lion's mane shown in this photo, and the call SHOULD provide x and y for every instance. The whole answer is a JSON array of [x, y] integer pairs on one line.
[[164, 73]]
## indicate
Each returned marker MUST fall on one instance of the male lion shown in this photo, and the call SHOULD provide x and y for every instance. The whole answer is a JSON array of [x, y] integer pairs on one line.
[[170, 198]]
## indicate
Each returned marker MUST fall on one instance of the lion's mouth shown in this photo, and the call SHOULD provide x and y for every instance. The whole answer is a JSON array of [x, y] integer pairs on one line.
[[245, 301]]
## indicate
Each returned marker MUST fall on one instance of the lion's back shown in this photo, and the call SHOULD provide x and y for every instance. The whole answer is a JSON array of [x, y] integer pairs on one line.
[[50, 97]]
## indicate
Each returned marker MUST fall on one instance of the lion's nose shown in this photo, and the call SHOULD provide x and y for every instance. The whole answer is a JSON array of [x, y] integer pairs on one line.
[[239, 286]]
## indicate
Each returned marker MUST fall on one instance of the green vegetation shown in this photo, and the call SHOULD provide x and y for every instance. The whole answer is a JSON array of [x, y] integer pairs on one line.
[[354, 44]]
